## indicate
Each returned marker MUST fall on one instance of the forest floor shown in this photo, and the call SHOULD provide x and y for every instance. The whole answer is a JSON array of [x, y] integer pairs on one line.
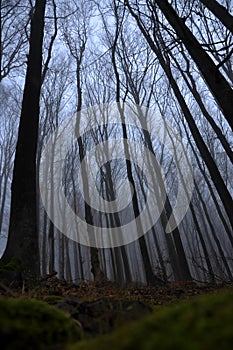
[[171, 292], [92, 311], [99, 309], [51, 289]]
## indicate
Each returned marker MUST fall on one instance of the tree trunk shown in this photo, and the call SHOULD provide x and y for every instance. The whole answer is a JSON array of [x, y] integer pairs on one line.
[[0, 40], [23, 232], [95, 262], [190, 81], [213, 169], [218, 85], [220, 12]]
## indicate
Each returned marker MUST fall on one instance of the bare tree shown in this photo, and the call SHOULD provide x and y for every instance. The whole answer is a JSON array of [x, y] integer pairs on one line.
[[8, 133], [23, 234], [218, 85], [220, 12], [164, 61], [13, 35]]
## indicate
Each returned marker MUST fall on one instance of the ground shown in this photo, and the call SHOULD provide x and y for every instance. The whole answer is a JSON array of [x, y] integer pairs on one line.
[[94, 317], [203, 323]]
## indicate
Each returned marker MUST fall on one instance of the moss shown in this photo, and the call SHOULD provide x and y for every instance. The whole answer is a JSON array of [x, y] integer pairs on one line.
[[31, 324], [12, 265], [202, 323]]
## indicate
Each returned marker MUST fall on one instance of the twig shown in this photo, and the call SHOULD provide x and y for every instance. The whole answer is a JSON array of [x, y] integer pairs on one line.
[[8, 290]]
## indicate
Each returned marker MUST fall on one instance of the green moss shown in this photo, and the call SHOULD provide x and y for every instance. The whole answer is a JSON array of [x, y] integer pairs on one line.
[[31, 324], [202, 323], [12, 265]]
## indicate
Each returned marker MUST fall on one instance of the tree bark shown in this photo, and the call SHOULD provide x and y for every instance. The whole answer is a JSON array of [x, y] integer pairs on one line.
[[220, 12], [23, 232], [0, 40]]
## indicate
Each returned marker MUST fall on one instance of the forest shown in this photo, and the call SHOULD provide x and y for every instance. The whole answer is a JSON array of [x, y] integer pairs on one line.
[[116, 170]]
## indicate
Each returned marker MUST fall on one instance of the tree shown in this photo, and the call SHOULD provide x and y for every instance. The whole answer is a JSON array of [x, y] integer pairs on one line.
[[8, 129], [76, 41], [13, 35], [217, 79], [220, 12], [218, 85], [23, 233]]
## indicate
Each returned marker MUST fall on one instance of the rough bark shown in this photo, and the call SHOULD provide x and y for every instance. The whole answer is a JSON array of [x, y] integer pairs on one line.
[[23, 232]]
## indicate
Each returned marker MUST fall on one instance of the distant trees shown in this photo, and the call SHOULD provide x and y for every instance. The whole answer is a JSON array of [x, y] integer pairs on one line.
[[174, 57], [13, 35], [8, 126]]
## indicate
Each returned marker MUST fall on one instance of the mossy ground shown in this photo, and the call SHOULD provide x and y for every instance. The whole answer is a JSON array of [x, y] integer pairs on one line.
[[31, 324], [202, 323], [177, 318]]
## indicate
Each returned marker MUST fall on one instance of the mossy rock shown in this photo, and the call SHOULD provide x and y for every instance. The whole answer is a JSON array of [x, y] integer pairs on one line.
[[201, 323], [103, 315], [31, 324]]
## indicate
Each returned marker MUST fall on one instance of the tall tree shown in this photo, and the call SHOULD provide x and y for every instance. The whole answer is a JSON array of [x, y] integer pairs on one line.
[[155, 45], [220, 12], [23, 236], [218, 85]]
